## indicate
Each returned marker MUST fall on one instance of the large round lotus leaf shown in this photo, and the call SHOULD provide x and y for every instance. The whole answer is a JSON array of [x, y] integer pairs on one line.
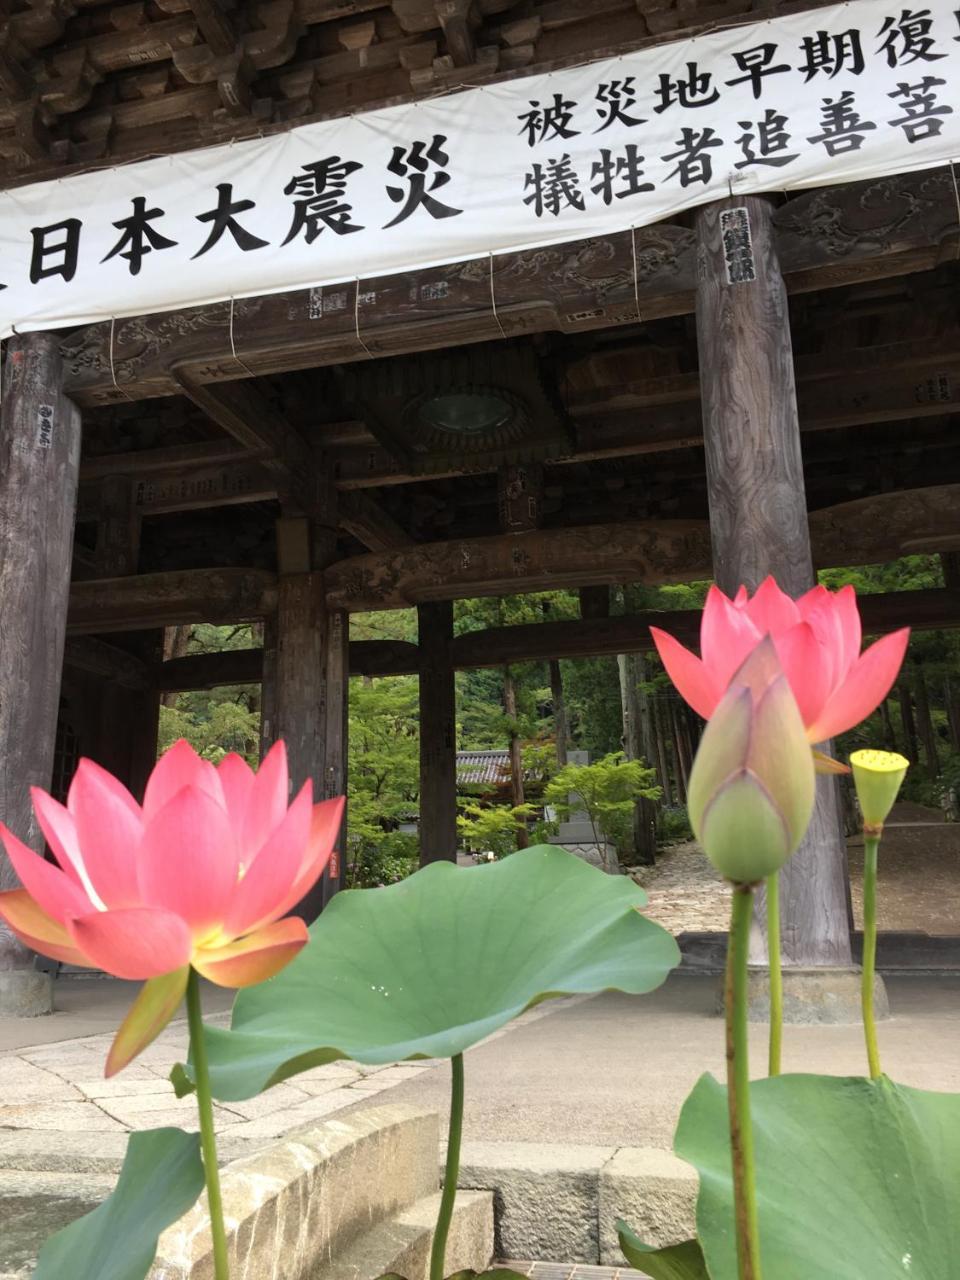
[[428, 967], [857, 1180]]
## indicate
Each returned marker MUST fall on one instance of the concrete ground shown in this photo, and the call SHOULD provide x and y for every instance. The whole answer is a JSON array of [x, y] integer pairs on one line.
[[614, 1070], [608, 1071]]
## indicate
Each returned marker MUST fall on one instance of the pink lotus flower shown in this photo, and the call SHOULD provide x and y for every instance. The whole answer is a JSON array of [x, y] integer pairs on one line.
[[817, 640], [199, 876]]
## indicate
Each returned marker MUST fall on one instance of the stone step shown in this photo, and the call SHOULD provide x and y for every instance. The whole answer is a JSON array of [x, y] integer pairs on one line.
[[402, 1245], [561, 1202]]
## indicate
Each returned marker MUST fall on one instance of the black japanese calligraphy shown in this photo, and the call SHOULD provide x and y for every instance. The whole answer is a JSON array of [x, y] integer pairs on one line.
[[414, 163], [694, 161], [56, 249], [765, 142], [829, 54], [616, 99], [738, 257], [756, 64], [695, 91], [321, 188], [542, 124], [553, 186], [843, 128], [923, 115], [223, 219], [908, 39], [626, 168], [138, 238]]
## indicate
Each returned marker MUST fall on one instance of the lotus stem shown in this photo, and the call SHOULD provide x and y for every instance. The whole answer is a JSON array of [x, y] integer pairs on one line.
[[208, 1137], [870, 846], [738, 1086], [776, 974], [451, 1171]]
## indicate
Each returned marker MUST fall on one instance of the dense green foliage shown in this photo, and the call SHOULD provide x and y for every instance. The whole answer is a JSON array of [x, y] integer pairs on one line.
[[384, 722]]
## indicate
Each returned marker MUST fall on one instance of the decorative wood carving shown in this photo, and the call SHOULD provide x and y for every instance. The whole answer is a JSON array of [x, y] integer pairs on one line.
[[589, 284]]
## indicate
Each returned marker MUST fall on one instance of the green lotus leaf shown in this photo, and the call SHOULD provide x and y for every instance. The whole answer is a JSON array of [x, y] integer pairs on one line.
[[161, 1178], [674, 1262], [428, 967], [856, 1178]]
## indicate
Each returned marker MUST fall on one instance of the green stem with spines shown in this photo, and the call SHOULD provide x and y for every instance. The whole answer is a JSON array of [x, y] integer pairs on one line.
[[451, 1173], [871, 844], [776, 974], [208, 1137], [738, 1086]]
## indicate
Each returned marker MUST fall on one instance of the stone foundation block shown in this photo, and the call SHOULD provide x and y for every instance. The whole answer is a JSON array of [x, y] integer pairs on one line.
[[814, 996], [545, 1197], [654, 1192], [25, 993]]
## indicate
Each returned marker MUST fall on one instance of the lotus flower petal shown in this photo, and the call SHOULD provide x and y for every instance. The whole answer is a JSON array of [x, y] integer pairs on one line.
[[37, 930], [268, 881], [56, 893], [780, 755], [694, 682], [108, 833], [236, 779], [188, 860], [818, 641], [772, 610], [177, 768], [324, 832], [723, 750], [727, 636], [255, 958], [60, 832], [156, 1003], [137, 942], [268, 799], [869, 681], [800, 654], [743, 832]]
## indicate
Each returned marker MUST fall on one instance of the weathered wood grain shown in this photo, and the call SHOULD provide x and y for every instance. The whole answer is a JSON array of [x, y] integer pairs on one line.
[[876, 229], [39, 467], [758, 511]]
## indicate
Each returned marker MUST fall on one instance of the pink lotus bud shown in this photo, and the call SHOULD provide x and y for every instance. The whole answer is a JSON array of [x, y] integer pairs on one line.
[[752, 785]]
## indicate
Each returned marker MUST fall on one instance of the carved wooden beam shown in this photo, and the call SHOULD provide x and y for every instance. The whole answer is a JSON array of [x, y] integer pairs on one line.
[[826, 238], [868, 531], [370, 524], [87, 653], [245, 666], [665, 551], [169, 599], [250, 418]]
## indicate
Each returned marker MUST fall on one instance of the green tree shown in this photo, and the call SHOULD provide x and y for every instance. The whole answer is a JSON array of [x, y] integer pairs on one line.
[[605, 790]]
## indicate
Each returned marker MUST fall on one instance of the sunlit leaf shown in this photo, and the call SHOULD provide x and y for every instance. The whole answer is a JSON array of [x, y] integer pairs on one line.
[[857, 1179], [673, 1262], [428, 967], [161, 1178]]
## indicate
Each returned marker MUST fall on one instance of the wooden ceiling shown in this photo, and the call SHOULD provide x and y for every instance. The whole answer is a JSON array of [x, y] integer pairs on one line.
[[83, 82], [878, 370]]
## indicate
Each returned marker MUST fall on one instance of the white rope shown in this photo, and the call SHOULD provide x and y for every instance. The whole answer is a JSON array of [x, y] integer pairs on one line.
[[356, 321], [233, 345], [493, 300], [636, 273], [113, 367]]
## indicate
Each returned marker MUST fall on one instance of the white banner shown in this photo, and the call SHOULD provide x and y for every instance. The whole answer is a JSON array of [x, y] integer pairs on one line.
[[853, 91]]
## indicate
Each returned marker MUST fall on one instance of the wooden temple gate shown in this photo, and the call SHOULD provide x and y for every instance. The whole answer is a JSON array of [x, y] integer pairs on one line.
[[630, 416]]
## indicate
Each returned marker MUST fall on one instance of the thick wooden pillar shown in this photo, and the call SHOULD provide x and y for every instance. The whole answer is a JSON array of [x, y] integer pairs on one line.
[[311, 673], [268, 687], [438, 734], [39, 464], [758, 511]]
